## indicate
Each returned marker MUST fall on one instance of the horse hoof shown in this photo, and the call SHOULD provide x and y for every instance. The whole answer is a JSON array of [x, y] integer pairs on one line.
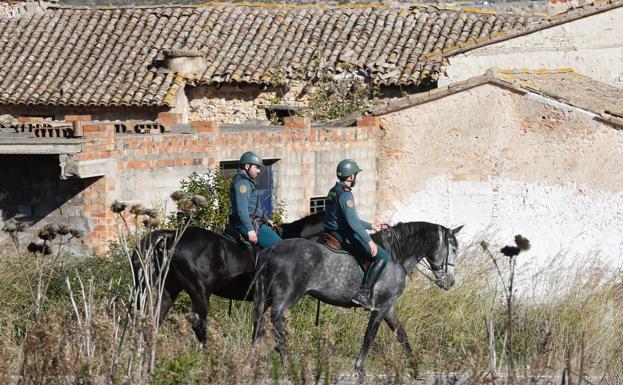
[[361, 377]]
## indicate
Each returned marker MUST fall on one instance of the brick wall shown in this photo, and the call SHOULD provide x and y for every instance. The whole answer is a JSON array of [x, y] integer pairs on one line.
[[146, 168]]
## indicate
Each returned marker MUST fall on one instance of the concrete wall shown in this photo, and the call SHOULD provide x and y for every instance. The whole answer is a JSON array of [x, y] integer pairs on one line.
[[503, 163], [591, 46], [31, 188]]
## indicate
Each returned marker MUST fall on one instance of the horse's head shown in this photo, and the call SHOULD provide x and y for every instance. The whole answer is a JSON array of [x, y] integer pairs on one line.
[[442, 262]]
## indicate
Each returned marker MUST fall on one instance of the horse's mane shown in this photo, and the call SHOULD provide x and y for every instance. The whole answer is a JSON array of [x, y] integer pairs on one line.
[[306, 219], [404, 240], [314, 221]]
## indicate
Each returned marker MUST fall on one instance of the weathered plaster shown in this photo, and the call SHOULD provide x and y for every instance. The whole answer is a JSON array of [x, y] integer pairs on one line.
[[497, 160], [592, 46]]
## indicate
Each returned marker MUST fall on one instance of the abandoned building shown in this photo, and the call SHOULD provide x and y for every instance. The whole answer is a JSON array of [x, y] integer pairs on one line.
[[536, 153], [98, 104], [227, 63]]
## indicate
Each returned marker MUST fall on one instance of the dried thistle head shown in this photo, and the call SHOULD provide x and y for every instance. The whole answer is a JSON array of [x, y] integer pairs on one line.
[[48, 232], [484, 245], [151, 222], [522, 243], [20, 227], [510, 251], [200, 201], [39, 248], [151, 213], [10, 227], [185, 204], [76, 233], [62, 230], [138, 209], [118, 207], [177, 195]]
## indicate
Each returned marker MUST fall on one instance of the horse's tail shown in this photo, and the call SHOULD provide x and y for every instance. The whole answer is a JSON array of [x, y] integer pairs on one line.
[[260, 296]]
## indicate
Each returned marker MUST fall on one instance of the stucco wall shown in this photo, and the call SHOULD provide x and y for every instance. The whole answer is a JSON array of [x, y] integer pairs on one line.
[[503, 163], [592, 46]]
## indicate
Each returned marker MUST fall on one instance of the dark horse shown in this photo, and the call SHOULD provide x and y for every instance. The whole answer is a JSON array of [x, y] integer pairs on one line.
[[205, 263], [293, 268]]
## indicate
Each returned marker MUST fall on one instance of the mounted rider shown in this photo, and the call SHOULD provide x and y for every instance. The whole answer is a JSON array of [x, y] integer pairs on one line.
[[247, 217], [342, 223]]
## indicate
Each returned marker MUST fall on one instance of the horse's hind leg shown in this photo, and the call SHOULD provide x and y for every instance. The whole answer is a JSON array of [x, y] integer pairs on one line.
[[396, 327], [169, 296], [199, 318], [280, 332], [373, 326]]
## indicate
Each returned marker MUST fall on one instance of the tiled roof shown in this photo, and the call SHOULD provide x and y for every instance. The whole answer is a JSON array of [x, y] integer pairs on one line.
[[572, 14], [562, 84], [113, 56], [568, 87]]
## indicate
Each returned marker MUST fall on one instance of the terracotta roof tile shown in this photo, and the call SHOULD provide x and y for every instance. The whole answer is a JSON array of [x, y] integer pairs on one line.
[[113, 56], [566, 86]]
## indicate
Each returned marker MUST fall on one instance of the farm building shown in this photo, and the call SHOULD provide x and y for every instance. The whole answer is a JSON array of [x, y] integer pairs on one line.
[[536, 153], [121, 103]]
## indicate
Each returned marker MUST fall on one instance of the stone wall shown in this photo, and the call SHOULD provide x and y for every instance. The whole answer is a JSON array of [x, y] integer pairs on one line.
[[504, 163], [231, 104], [591, 46], [147, 168]]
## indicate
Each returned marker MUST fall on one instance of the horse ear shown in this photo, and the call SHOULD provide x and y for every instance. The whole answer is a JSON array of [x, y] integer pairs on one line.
[[456, 230]]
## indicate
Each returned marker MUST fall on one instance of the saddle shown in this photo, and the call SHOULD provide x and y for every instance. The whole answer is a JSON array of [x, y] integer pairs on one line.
[[331, 243], [232, 234]]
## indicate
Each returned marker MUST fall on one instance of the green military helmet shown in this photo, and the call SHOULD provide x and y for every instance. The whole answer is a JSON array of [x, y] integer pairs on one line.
[[251, 158], [346, 168]]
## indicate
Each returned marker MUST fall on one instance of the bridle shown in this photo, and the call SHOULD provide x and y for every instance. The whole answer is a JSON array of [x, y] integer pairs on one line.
[[432, 267]]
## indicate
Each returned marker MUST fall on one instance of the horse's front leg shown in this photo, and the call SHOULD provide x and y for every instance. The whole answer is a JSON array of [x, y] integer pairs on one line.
[[396, 327], [373, 326]]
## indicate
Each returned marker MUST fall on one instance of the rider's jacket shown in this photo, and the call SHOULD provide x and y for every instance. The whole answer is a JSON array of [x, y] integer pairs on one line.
[[245, 202], [341, 215]]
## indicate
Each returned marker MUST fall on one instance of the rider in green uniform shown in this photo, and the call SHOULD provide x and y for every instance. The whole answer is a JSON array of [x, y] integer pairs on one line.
[[247, 217], [343, 223]]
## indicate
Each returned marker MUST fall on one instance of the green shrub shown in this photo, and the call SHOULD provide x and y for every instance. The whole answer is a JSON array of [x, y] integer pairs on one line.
[[213, 187]]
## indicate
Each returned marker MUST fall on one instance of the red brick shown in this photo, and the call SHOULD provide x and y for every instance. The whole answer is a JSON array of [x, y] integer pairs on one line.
[[368, 121], [296, 122], [204, 126], [30, 119], [77, 118], [170, 117]]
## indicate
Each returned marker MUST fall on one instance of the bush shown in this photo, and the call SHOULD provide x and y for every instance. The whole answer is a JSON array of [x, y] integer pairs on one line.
[[215, 189]]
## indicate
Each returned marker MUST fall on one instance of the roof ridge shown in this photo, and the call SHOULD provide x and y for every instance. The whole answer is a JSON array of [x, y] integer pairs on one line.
[[235, 4]]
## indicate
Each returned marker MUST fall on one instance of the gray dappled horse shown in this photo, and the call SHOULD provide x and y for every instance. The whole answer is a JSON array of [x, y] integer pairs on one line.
[[293, 268]]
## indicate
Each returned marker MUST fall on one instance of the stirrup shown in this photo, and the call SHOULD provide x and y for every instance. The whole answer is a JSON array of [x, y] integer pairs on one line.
[[363, 299]]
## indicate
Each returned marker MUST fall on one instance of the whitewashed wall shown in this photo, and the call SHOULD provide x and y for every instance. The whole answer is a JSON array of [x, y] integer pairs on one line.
[[592, 46], [505, 164]]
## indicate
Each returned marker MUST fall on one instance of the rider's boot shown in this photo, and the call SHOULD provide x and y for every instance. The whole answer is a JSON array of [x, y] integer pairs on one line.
[[363, 295]]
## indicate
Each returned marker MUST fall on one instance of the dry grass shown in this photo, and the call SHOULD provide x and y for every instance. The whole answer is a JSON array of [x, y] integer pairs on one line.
[[574, 321]]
